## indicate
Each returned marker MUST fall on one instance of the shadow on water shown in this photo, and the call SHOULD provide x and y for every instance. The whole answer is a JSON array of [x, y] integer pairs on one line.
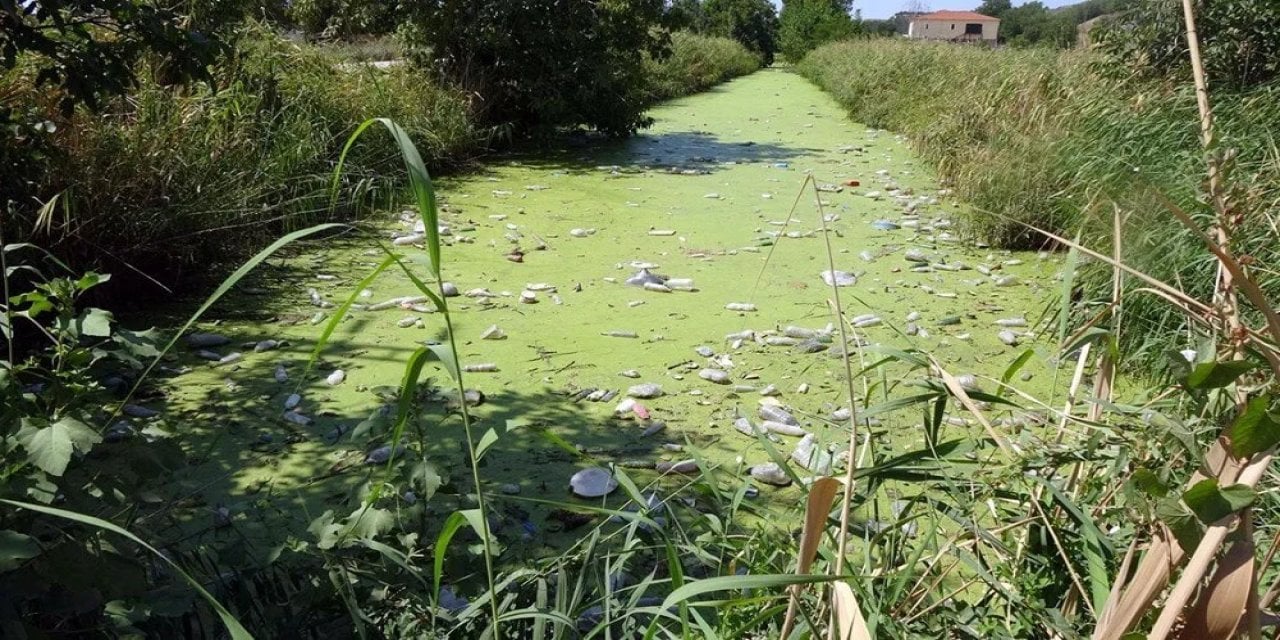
[[689, 151], [242, 512]]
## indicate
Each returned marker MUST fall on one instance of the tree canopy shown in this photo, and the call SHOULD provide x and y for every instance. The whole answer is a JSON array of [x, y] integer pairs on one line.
[[751, 22], [806, 24]]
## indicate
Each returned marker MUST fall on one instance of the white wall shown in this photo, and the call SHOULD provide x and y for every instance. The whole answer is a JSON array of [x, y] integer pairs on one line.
[[948, 29]]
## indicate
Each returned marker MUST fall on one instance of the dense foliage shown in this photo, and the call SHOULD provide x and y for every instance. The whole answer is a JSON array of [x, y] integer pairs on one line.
[[171, 181], [1033, 23], [754, 23], [1046, 139], [805, 25], [1239, 40], [87, 49], [541, 64], [697, 63], [342, 18]]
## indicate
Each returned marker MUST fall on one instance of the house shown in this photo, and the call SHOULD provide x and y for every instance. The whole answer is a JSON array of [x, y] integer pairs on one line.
[[954, 26]]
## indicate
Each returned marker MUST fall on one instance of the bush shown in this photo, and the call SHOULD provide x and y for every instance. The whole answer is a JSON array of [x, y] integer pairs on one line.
[[171, 180], [539, 65], [1044, 138], [697, 63]]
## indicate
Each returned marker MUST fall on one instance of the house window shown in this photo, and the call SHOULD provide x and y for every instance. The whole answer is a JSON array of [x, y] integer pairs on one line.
[[973, 29], [953, 26]]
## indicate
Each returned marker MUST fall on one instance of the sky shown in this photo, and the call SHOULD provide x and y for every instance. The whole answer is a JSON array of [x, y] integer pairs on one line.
[[886, 8]]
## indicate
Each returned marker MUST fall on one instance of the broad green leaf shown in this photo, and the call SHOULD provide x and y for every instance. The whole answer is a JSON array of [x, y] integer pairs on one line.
[[367, 523], [426, 479], [91, 280], [82, 436], [1186, 529], [96, 323], [326, 531], [234, 627], [1255, 429], [48, 448], [1215, 375], [1149, 483], [1212, 503], [16, 547]]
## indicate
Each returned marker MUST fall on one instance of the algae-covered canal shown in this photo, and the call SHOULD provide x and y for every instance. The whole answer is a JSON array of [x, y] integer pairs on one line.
[[701, 196]]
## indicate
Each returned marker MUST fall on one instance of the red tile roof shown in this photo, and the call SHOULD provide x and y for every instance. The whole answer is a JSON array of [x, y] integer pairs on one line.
[[956, 15]]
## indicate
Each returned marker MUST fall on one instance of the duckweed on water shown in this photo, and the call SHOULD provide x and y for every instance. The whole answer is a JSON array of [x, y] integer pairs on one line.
[[604, 209]]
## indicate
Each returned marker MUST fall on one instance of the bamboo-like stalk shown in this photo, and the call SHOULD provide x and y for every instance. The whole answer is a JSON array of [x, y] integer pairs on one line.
[[1204, 554]]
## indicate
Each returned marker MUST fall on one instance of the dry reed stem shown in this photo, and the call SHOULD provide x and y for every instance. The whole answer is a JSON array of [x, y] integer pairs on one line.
[[1204, 554]]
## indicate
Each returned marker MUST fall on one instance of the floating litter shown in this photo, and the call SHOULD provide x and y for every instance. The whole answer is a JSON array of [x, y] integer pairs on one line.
[[593, 482]]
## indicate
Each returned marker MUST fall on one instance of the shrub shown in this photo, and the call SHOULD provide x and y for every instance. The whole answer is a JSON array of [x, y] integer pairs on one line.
[[696, 64], [543, 64], [170, 180]]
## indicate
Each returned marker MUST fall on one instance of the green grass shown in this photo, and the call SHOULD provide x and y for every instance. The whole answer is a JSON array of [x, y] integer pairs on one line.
[[1041, 137], [698, 63]]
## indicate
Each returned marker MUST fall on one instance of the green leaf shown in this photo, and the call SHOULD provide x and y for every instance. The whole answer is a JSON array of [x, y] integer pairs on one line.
[[48, 448], [1013, 369], [82, 436], [1212, 503], [1186, 529], [368, 522], [444, 354], [326, 531], [736, 583], [451, 526], [91, 280], [237, 631], [96, 323], [1255, 429], [16, 547], [1215, 375], [487, 440], [1146, 481], [426, 479]]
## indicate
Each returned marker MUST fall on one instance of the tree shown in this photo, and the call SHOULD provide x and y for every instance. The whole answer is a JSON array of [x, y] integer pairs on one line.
[[994, 8], [687, 15], [343, 18], [751, 22], [806, 24], [1239, 41], [87, 48], [541, 64]]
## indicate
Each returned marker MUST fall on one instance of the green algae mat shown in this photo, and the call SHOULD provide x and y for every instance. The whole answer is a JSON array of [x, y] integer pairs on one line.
[[540, 248]]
